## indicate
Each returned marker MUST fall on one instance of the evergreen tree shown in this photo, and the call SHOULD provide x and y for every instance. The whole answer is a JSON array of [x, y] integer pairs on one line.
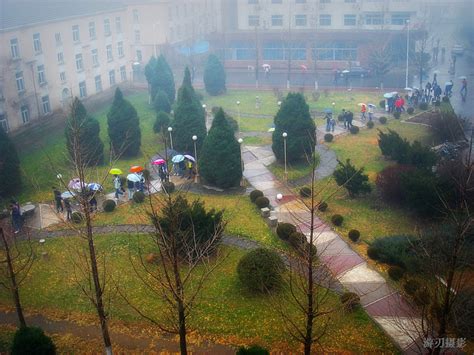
[[214, 76], [160, 77], [10, 174], [187, 83], [353, 179], [83, 136], [161, 102], [189, 120], [150, 74], [219, 162], [294, 119], [162, 122], [124, 127]]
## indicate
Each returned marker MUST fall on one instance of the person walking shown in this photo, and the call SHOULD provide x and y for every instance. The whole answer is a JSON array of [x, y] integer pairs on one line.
[[16, 216], [131, 189], [344, 118], [371, 112], [363, 110], [333, 124], [118, 186], [448, 89], [58, 200], [328, 121], [350, 117], [464, 89], [68, 207]]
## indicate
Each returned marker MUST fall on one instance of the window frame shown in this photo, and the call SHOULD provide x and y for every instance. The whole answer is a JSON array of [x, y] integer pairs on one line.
[[109, 53], [82, 89], [37, 43], [15, 48], [98, 83], [20, 82], [92, 30], [107, 29], [46, 105], [112, 80], [41, 74], [120, 50], [278, 19], [25, 114], [79, 62], [76, 35], [253, 20], [350, 20], [301, 17], [325, 20]]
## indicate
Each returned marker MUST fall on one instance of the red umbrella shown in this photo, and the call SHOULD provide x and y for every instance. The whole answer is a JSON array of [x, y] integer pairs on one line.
[[158, 162], [136, 169]]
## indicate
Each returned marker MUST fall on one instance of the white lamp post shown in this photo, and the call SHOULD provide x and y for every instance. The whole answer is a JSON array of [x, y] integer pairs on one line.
[[196, 178], [284, 135], [240, 140], [279, 198], [408, 47], [238, 115], [170, 129], [279, 104]]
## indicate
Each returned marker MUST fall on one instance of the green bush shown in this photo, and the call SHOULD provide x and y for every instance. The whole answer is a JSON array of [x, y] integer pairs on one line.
[[354, 130], [328, 137], [297, 240], [410, 110], [252, 350], [388, 182], [351, 178], [337, 219], [168, 187], [350, 301], [423, 106], [382, 103], [305, 191], [397, 115], [383, 120], [77, 217], [354, 235], [138, 197], [260, 270], [214, 76], [445, 99], [284, 230], [32, 340], [262, 202], [370, 124], [396, 272], [373, 253], [397, 250], [411, 286], [109, 205], [255, 194], [323, 206]]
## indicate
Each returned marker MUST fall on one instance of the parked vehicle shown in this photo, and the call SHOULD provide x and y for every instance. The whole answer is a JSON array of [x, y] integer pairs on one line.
[[358, 72], [458, 49]]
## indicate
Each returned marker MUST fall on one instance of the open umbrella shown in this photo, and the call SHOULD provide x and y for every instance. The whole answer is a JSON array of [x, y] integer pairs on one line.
[[189, 157], [361, 104], [76, 184], [448, 83], [265, 66], [345, 71], [93, 186], [304, 67], [158, 162], [115, 171], [136, 169], [327, 110], [408, 89], [462, 77], [67, 194], [133, 177], [271, 129], [178, 158], [371, 105]]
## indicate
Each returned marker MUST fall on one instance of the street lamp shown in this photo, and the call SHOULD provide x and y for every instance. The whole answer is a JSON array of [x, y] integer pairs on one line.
[[170, 129], [284, 135], [408, 46], [238, 115], [196, 177], [240, 140], [279, 198], [279, 104]]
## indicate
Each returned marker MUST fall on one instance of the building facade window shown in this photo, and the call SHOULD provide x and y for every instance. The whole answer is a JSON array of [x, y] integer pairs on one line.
[[57, 38], [300, 20], [62, 76], [82, 89], [79, 62], [109, 53], [14, 48], [41, 75], [325, 20], [95, 57], [112, 77], [350, 20], [251, 2], [3, 122], [25, 114], [92, 34], [107, 31], [254, 20], [20, 82], [400, 18], [37, 43], [139, 55], [46, 105], [277, 20], [75, 33], [374, 19], [135, 16], [120, 49], [123, 73], [98, 83], [338, 50], [118, 25], [277, 1], [300, 1], [137, 36], [60, 58], [241, 50]]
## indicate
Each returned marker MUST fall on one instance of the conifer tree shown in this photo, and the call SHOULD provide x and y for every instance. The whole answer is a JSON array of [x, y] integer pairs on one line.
[[161, 102], [83, 136], [214, 76], [219, 161], [162, 122], [124, 127], [160, 77], [10, 174], [187, 83], [294, 119]]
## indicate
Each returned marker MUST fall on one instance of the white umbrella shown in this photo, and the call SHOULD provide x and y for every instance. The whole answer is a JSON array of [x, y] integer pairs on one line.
[[178, 158], [408, 89], [76, 184], [272, 129], [462, 77], [388, 95], [371, 105], [448, 83], [360, 104], [133, 177], [189, 157], [67, 194], [345, 71], [264, 66]]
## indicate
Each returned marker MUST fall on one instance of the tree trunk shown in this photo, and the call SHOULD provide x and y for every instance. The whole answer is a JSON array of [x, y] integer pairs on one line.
[[182, 329]]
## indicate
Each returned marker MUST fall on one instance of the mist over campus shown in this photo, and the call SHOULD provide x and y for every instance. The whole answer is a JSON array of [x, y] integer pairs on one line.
[[236, 176]]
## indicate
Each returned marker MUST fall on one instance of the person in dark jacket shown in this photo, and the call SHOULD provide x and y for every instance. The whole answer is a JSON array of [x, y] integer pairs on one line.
[[58, 200]]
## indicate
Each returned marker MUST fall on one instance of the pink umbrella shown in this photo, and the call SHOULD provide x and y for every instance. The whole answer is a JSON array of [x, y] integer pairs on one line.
[[76, 184], [304, 67], [158, 162]]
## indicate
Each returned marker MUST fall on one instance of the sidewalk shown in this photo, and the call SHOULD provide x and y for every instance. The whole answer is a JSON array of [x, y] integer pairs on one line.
[[384, 304]]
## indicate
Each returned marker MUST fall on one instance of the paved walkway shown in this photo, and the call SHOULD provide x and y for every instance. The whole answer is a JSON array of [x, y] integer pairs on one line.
[[384, 304]]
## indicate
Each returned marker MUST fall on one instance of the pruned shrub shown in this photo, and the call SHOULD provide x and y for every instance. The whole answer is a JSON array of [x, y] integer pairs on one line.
[[252, 350], [354, 130], [411, 286], [323, 206], [351, 178], [423, 106], [168, 187], [445, 99], [305, 191], [152, 258], [383, 120], [350, 301], [77, 217], [354, 235], [262, 202], [410, 110], [397, 250], [373, 253], [396, 272], [337, 219], [370, 124], [255, 194], [297, 240], [260, 270], [284, 230], [328, 137], [32, 340], [397, 115], [388, 182], [138, 197], [382, 103], [109, 205]]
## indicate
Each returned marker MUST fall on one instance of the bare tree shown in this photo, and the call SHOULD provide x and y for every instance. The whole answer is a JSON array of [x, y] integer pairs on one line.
[[421, 58]]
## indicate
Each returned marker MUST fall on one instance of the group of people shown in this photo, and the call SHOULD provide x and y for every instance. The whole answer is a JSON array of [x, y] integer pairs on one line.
[[184, 169], [132, 186], [346, 117]]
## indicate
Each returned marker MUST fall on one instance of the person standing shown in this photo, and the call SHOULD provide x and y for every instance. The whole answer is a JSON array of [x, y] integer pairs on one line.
[[350, 117], [371, 112], [58, 200], [131, 188], [328, 121], [333, 124], [16, 216], [344, 117], [68, 207], [464, 89], [363, 110], [118, 187]]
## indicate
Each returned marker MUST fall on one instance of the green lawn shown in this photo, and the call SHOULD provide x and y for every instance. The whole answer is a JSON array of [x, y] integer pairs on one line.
[[224, 312], [295, 171]]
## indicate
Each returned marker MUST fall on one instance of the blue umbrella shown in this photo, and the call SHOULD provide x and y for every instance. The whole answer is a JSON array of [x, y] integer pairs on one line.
[[133, 177], [93, 186], [178, 158], [327, 110]]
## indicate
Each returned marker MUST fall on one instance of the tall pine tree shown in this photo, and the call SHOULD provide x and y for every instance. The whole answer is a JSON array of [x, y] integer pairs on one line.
[[159, 75], [214, 76], [124, 127], [294, 119], [10, 174], [161, 102], [83, 136], [219, 161]]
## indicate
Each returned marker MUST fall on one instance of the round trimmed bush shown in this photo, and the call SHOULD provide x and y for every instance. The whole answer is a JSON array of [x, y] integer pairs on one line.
[[397, 115], [305, 191], [284, 230], [109, 205], [350, 301], [168, 187], [383, 120], [423, 106], [32, 340], [328, 137], [252, 350], [410, 110], [370, 124], [255, 194], [138, 197], [411, 286], [354, 130], [395, 272], [373, 253], [77, 217], [337, 219], [323, 206], [382, 103], [445, 99], [297, 240], [262, 202], [354, 235], [260, 270]]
